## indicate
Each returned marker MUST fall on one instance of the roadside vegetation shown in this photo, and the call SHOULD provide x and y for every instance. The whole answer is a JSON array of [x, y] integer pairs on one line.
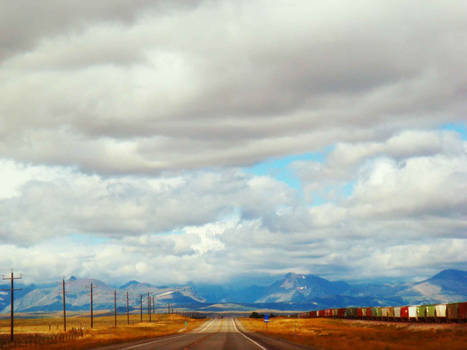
[[353, 334], [47, 333]]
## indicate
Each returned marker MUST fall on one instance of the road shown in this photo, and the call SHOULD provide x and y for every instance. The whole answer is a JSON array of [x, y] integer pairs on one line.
[[216, 334]]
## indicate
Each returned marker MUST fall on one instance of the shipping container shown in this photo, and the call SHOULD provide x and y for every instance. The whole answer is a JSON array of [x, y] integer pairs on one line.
[[379, 312], [440, 310], [397, 311], [452, 311], [412, 312], [391, 312], [421, 311], [368, 312], [430, 311], [360, 312], [334, 312], [374, 312], [313, 313], [462, 311], [404, 312], [321, 313]]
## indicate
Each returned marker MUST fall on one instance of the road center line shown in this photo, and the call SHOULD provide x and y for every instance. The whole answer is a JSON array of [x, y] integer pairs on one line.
[[165, 339]]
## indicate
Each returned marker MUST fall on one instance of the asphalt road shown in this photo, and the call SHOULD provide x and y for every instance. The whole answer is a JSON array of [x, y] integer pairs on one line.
[[216, 334]]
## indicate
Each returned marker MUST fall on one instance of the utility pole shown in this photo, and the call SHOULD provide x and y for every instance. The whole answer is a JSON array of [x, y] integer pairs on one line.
[[141, 307], [12, 290], [64, 305], [149, 307], [127, 309], [153, 306], [92, 311], [115, 307]]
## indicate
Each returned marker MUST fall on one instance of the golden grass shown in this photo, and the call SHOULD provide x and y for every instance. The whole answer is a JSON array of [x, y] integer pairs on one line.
[[103, 332], [347, 334]]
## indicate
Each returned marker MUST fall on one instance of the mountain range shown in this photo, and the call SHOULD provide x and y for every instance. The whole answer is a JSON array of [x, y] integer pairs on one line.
[[291, 292]]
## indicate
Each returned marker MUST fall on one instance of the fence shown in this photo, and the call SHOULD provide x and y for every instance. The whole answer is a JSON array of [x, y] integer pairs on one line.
[[34, 340]]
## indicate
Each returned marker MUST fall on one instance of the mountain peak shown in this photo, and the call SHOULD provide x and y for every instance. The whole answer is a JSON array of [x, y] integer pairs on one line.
[[130, 283], [450, 274]]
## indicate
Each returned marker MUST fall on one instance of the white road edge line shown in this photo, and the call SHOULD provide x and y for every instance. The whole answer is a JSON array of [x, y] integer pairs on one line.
[[161, 340], [247, 337]]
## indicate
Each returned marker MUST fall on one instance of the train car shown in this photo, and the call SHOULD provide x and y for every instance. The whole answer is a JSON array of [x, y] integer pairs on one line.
[[440, 311], [397, 312], [321, 313], [368, 312], [374, 313], [404, 313], [430, 312], [412, 313], [351, 312], [385, 312], [328, 313], [462, 312], [421, 312], [334, 313], [360, 312], [341, 312], [452, 311], [313, 314]]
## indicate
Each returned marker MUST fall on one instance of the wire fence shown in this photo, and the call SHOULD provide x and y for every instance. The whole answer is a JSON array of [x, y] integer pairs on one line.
[[26, 341]]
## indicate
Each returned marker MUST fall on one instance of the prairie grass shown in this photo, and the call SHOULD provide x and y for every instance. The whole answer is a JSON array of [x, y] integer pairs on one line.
[[103, 333], [349, 334]]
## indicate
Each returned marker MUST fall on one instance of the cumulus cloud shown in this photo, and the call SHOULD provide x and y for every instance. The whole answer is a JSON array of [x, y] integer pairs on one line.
[[133, 122]]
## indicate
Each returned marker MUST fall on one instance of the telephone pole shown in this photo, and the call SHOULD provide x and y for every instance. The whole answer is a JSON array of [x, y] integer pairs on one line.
[[12, 290], [92, 311], [141, 307], [127, 309], [149, 307], [64, 305], [153, 306], [115, 307]]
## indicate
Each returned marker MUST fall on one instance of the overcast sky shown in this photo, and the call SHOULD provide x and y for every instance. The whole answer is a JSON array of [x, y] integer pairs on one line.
[[175, 141]]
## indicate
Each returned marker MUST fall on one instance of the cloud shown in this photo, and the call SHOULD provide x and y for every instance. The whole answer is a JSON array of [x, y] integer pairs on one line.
[[148, 88], [134, 123]]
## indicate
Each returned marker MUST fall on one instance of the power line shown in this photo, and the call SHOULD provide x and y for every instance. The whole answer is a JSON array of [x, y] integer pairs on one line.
[[12, 290]]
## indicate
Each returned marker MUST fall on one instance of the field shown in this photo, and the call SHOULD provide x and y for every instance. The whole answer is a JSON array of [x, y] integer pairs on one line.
[[47, 332], [352, 334]]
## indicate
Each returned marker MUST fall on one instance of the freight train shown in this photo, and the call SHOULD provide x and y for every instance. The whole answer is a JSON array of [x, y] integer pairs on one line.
[[453, 312]]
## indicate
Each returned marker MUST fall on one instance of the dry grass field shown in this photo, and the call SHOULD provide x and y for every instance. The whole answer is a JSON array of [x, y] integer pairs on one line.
[[39, 330], [351, 334]]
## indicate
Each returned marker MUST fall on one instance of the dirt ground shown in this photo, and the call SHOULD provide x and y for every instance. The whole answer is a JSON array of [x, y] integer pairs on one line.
[[41, 330], [353, 334]]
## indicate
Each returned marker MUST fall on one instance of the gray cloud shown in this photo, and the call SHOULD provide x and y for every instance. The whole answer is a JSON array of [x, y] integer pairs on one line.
[[216, 84]]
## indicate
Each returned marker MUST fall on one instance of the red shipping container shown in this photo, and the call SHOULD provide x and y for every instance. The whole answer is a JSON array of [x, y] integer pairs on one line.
[[405, 312], [321, 313], [341, 312], [368, 311], [359, 312], [462, 311], [312, 313]]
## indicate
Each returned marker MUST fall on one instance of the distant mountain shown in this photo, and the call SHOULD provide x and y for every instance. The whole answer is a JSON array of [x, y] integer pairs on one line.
[[446, 286], [291, 292], [299, 288], [49, 297]]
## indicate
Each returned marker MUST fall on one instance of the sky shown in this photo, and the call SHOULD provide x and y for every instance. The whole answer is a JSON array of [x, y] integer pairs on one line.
[[207, 141]]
